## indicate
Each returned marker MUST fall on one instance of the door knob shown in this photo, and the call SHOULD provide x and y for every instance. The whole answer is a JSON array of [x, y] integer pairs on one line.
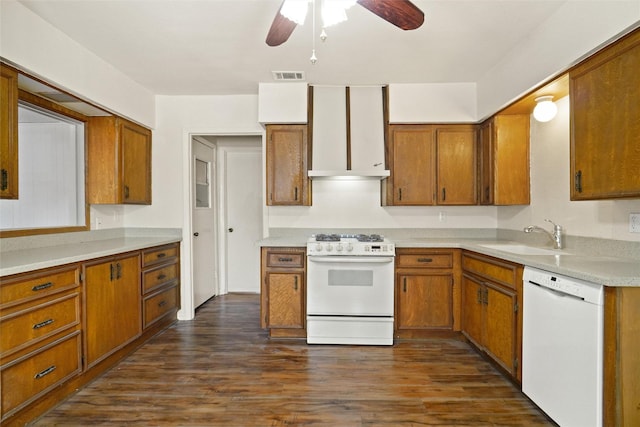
[[196, 234], [231, 230]]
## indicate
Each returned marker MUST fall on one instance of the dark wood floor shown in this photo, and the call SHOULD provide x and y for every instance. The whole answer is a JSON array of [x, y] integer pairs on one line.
[[221, 370]]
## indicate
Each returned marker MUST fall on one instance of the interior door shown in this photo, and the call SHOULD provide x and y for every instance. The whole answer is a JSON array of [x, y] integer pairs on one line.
[[203, 219], [243, 176]]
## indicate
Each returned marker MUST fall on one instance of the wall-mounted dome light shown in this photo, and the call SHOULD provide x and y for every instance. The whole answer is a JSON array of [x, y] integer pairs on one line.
[[545, 109]]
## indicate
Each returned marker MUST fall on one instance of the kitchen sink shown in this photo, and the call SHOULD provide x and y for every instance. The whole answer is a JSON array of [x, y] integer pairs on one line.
[[523, 249]]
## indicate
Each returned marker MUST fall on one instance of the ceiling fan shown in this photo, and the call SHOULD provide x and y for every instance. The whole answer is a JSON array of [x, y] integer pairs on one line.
[[401, 13]]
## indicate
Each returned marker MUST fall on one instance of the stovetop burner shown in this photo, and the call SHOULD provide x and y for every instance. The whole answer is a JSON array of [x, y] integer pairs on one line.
[[339, 237]]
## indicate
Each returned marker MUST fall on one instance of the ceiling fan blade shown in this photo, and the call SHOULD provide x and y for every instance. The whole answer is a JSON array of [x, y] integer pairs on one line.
[[281, 29], [401, 13]]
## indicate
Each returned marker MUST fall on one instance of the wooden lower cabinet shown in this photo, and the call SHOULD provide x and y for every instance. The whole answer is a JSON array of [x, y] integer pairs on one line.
[[112, 305], [63, 326], [40, 339], [621, 375], [160, 283], [283, 292], [491, 298], [427, 292]]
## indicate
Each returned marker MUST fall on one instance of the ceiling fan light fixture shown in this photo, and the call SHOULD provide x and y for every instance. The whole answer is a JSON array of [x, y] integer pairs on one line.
[[545, 109], [295, 10], [335, 11]]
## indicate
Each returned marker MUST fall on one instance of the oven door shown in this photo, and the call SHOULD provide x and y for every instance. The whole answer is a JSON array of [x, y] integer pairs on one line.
[[350, 286]]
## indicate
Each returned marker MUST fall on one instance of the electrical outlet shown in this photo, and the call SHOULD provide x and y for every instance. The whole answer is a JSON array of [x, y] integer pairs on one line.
[[98, 223], [442, 217], [634, 223]]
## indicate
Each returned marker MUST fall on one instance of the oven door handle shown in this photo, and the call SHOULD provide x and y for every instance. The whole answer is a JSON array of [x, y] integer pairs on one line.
[[352, 259]]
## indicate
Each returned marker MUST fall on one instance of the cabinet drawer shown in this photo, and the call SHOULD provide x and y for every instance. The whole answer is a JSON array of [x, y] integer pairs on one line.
[[425, 260], [29, 326], [158, 277], [160, 304], [28, 378], [158, 255], [285, 259], [502, 272], [36, 286]]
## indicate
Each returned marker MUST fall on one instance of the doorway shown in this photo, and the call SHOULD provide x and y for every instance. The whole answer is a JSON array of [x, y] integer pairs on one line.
[[203, 221], [225, 236]]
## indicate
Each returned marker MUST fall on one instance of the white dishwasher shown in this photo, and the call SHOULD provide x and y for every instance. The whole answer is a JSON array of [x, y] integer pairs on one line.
[[562, 347]]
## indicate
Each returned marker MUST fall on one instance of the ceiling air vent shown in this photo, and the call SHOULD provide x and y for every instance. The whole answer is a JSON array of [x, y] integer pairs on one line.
[[288, 75]]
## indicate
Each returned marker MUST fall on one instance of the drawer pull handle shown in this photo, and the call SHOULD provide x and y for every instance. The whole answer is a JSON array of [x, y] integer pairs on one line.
[[425, 259], [45, 372], [43, 324], [285, 259], [42, 286], [161, 255], [162, 303], [162, 276]]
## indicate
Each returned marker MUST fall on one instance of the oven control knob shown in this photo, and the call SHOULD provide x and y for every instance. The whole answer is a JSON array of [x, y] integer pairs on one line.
[[329, 248], [319, 247], [349, 247], [339, 247]]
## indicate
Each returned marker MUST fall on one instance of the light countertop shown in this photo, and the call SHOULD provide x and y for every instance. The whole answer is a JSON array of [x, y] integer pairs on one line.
[[605, 270], [30, 259]]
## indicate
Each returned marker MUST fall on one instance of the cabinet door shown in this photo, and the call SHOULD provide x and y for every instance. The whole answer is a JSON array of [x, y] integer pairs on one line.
[[510, 152], [500, 325], [287, 182], [8, 133], [425, 301], [412, 165], [112, 306], [605, 123], [456, 166], [472, 309], [485, 162], [136, 163], [285, 300]]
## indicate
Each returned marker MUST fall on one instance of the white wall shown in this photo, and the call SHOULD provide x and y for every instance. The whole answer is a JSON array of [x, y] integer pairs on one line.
[[41, 49], [356, 204], [550, 185], [574, 31]]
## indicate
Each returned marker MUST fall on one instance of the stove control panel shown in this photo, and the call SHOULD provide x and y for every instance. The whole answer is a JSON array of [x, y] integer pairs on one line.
[[349, 248]]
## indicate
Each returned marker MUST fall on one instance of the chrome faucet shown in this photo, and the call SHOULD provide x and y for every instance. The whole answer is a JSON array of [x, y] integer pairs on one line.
[[555, 236]]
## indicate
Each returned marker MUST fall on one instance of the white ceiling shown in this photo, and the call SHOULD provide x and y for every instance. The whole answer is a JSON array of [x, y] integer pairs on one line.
[[209, 47]]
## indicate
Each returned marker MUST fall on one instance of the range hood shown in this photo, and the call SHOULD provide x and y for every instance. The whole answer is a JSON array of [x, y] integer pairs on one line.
[[348, 133]]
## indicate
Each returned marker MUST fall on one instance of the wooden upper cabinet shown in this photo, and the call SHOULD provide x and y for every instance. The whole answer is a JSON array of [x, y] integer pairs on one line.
[[605, 123], [287, 164], [504, 160], [118, 162], [432, 164], [412, 165], [456, 165], [8, 132]]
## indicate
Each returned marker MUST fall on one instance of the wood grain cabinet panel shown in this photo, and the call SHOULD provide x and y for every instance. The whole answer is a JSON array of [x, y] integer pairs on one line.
[[160, 283], [283, 292], [605, 123], [8, 132], [26, 379], [118, 162], [412, 165], [491, 301], [456, 167], [431, 164], [427, 292], [112, 305], [504, 160], [287, 164]]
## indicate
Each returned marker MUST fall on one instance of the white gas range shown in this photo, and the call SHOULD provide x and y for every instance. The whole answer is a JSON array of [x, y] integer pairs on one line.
[[350, 289]]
